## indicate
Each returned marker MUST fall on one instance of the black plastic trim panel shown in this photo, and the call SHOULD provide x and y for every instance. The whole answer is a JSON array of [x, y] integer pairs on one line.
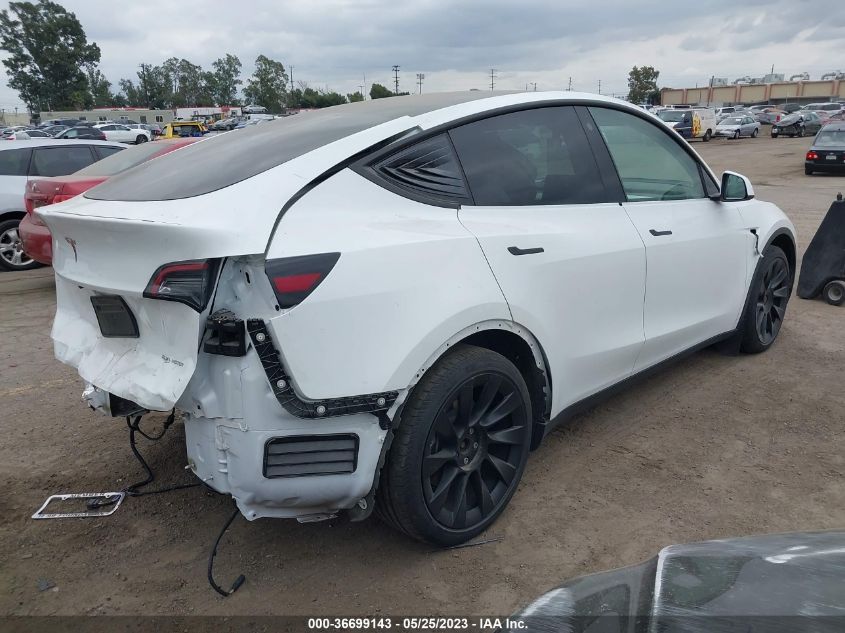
[[280, 383], [311, 456]]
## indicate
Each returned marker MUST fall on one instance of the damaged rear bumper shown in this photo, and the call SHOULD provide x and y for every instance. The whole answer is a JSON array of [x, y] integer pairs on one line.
[[290, 467]]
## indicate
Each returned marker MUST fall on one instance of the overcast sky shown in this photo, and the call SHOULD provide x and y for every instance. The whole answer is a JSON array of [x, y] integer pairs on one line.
[[336, 43]]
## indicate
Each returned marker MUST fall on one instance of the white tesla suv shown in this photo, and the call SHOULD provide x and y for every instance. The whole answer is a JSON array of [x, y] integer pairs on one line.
[[388, 304]]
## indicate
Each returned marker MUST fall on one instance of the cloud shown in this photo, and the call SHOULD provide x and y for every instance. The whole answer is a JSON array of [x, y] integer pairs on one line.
[[335, 43]]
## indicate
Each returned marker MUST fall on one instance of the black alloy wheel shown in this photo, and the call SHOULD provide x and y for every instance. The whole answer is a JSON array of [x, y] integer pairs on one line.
[[770, 290], [474, 451], [459, 450]]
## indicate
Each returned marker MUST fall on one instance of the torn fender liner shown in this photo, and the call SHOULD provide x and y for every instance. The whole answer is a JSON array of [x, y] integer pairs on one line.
[[152, 370], [824, 259], [280, 383]]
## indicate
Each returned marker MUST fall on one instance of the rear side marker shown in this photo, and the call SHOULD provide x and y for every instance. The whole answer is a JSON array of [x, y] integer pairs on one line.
[[280, 383]]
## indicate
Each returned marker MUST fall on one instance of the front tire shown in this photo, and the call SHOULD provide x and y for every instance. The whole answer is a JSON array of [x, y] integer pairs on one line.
[[736, 135], [800, 132], [774, 134], [834, 292], [140, 139], [460, 449], [771, 287], [754, 133]]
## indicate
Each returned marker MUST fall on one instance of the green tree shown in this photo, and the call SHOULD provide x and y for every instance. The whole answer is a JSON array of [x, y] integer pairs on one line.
[[379, 92], [99, 86], [642, 84], [268, 85], [226, 79], [355, 96], [47, 50]]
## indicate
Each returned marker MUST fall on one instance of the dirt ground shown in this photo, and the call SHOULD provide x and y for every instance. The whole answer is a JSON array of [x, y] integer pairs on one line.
[[714, 447]]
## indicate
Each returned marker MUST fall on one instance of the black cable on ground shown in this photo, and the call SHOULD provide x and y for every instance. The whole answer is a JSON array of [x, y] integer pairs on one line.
[[240, 579], [132, 491]]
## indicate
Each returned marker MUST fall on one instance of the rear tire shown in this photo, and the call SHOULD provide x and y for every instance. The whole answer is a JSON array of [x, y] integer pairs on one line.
[[707, 136], [800, 132], [754, 133], [774, 134], [834, 292], [768, 295], [808, 171], [460, 449], [140, 139], [12, 255]]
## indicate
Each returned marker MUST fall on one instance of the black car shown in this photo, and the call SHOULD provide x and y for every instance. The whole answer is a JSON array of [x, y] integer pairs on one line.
[[828, 151], [84, 132], [797, 124]]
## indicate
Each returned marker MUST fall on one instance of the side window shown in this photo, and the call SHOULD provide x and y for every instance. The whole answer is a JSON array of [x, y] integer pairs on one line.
[[143, 118], [428, 169], [159, 118], [71, 133], [14, 162], [651, 164], [533, 157], [104, 150], [60, 161]]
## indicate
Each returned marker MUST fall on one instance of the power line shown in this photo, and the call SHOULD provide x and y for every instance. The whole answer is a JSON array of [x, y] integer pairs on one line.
[[396, 78]]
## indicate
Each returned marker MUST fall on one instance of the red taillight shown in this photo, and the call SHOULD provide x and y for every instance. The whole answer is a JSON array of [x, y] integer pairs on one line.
[[294, 278], [812, 156], [189, 282]]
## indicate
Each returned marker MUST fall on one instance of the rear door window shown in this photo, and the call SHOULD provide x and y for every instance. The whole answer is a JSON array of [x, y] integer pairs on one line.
[[14, 162], [103, 151], [60, 161], [539, 156]]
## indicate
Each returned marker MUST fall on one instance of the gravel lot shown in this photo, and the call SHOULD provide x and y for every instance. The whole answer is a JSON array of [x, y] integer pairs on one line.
[[714, 447]]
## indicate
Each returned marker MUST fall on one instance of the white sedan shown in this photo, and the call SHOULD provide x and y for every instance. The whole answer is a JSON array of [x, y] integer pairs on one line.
[[389, 303], [123, 134]]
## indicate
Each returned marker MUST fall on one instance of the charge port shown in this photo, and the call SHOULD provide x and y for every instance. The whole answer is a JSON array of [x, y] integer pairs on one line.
[[225, 334]]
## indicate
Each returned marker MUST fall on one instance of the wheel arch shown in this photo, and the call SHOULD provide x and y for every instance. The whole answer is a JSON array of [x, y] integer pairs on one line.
[[519, 346], [785, 240], [12, 215]]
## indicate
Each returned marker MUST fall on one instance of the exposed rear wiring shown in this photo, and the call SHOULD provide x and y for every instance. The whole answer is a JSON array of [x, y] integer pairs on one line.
[[134, 424], [240, 579]]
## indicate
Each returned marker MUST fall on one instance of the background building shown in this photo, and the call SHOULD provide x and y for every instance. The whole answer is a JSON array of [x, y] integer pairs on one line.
[[752, 93]]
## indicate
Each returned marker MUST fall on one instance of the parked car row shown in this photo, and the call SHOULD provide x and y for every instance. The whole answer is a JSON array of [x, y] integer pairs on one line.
[[22, 160]]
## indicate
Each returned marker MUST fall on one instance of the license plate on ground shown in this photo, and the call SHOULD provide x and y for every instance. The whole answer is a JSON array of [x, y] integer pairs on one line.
[[114, 316]]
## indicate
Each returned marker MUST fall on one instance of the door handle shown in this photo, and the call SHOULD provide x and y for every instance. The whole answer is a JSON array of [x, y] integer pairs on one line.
[[515, 250], [659, 233]]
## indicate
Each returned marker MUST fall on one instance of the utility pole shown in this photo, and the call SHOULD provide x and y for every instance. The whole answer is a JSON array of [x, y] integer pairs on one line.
[[420, 77], [599, 86], [396, 79], [570, 85], [535, 85], [291, 78], [361, 88], [492, 79], [364, 87]]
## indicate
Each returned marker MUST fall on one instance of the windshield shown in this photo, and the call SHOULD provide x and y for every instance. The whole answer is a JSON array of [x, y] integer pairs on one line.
[[732, 120], [829, 138], [671, 116], [121, 161]]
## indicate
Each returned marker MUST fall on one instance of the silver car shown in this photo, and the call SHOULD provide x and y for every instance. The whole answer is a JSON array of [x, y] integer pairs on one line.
[[734, 127]]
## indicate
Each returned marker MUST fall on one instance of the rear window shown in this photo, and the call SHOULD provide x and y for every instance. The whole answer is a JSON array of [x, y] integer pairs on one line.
[[122, 161], [14, 162], [60, 161]]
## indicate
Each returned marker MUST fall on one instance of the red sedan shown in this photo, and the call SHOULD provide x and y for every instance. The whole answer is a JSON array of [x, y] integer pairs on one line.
[[34, 234]]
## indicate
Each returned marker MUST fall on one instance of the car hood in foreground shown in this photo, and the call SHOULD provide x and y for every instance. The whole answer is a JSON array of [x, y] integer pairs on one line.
[[784, 582]]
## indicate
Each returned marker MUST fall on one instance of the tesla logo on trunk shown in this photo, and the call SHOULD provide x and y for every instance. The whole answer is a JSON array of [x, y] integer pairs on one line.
[[72, 243]]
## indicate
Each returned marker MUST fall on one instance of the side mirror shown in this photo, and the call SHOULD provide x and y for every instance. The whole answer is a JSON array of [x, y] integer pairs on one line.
[[735, 187]]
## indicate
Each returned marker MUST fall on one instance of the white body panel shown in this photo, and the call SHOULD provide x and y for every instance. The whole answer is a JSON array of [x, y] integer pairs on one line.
[[696, 275], [405, 268], [590, 278]]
